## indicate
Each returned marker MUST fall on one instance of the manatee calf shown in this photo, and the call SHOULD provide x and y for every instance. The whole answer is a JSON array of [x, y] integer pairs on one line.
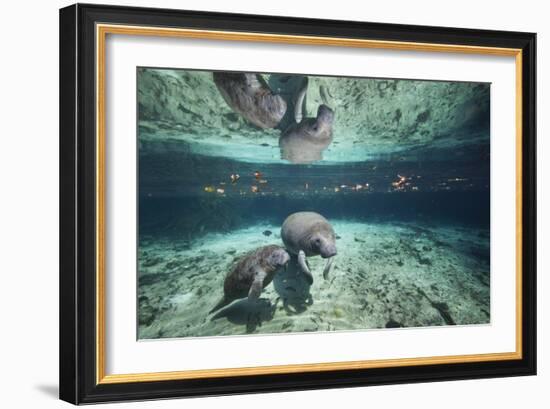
[[250, 96], [252, 273], [305, 141], [307, 234]]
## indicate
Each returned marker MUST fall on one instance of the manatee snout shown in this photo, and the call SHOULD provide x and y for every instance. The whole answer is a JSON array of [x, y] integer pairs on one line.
[[328, 251], [323, 244]]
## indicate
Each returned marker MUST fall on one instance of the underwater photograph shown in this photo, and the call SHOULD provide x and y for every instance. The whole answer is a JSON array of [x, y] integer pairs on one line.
[[274, 203]]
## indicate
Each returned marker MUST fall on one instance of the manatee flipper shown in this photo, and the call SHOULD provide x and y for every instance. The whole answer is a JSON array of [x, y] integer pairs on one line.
[[324, 92], [327, 268], [304, 267], [299, 103], [257, 285]]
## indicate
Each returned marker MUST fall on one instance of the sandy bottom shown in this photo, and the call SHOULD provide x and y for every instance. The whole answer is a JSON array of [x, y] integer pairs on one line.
[[384, 276]]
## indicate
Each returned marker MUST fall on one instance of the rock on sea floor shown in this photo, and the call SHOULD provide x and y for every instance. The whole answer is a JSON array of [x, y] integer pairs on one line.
[[386, 275]]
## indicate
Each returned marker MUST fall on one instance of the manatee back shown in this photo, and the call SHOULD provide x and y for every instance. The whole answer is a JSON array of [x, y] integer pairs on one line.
[[250, 96], [237, 283]]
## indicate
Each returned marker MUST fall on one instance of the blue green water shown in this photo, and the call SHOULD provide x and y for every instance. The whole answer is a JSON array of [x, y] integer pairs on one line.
[[412, 219]]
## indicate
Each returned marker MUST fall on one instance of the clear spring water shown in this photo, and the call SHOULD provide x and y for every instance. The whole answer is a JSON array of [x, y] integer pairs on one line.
[[411, 216]]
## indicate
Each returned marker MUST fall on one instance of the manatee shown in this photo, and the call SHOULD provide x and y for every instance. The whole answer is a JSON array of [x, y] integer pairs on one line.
[[307, 234], [305, 141], [251, 274], [250, 96]]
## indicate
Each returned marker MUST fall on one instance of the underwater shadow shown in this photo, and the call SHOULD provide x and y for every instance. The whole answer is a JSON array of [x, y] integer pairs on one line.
[[51, 391], [293, 288], [249, 313]]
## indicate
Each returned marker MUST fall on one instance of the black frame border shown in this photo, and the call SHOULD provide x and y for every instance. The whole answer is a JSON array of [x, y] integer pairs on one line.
[[77, 316]]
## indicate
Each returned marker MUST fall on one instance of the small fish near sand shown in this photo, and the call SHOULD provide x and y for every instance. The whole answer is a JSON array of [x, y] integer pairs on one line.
[[267, 233], [252, 273]]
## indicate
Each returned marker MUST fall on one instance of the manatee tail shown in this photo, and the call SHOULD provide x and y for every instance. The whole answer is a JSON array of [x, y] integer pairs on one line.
[[222, 303]]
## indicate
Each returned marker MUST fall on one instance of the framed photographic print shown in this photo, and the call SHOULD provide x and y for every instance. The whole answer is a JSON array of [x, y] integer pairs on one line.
[[257, 203]]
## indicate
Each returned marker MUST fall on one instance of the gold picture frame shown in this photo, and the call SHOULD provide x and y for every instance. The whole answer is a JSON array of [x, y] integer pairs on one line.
[[98, 21]]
